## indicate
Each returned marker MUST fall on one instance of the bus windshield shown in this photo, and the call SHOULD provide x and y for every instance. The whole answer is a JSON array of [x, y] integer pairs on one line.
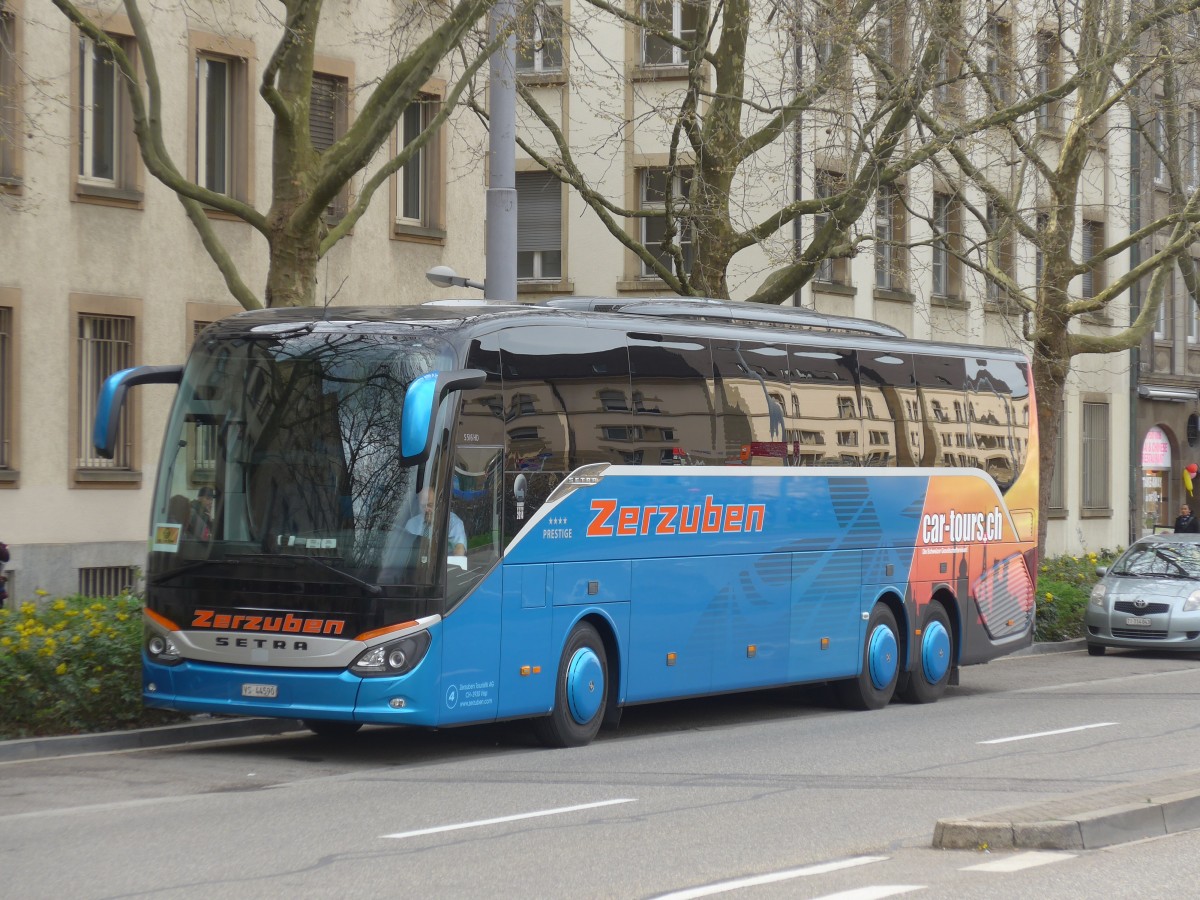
[[284, 449]]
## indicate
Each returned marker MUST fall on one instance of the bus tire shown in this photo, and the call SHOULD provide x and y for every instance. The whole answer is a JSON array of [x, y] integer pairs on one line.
[[876, 683], [331, 728], [933, 653], [580, 692]]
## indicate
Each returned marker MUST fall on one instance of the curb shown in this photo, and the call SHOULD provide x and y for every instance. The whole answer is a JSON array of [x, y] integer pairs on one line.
[[201, 728], [1087, 821], [1037, 649]]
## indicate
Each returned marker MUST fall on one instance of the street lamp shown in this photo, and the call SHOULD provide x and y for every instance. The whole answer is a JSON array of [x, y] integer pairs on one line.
[[444, 276]]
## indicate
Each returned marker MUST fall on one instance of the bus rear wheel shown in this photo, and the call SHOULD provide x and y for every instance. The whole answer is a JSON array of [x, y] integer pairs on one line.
[[580, 692], [876, 683], [934, 657], [331, 728]]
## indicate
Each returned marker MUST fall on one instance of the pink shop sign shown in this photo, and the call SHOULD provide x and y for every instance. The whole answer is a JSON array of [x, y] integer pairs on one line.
[[1156, 450]]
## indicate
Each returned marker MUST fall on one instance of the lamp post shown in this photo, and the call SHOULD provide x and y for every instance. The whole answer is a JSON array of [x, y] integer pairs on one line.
[[500, 281]]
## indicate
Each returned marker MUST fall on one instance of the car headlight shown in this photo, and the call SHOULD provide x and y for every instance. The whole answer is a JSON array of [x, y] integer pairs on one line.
[[161, 648], [1192, 603], [393, 658], [1097, 597]]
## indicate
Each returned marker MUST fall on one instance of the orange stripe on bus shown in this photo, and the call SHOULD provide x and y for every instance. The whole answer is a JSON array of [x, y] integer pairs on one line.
[[367, 635], [161, 620]]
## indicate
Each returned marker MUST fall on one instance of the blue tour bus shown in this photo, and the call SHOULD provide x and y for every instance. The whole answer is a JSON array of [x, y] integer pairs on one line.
[[466, 512]]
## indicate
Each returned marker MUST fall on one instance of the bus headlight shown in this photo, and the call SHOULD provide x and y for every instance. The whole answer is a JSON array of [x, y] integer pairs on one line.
[[161, 649], [393, 658]]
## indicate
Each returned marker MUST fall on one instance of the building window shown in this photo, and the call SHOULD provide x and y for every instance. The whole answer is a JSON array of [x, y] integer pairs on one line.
[[222, 125], [1162, 325], [830, 271], [1191, 151], [999, 254], [1095, 463], [1193, 323], [890, 33], [540, 40], [662, 189], [1039, 257], [104, 345], [890, 255], [676, 18], [1048, 78], [328, 119], [1158, 143], [107, 157], [10, 99], [1092, 240], [998, 56], [107, 581], [418, 184], [7, 393], [539, 227]]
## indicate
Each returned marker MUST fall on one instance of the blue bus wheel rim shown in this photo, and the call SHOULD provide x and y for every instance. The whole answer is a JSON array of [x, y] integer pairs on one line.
[[881, 656], [585, 685], [935, 652]]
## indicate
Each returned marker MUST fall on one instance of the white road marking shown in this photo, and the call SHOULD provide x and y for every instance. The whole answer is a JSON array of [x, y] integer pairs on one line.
[[736, 884], [501, 819], [874, 892], [1025, 737], [1020, 861]]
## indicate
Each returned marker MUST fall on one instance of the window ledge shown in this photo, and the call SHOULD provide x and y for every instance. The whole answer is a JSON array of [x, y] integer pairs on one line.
[[546, 287], [12, 184], [108, 196], [1002, 308], [1056, 513], [948, 301], [643, 72], [900, 296], [543, 79], [422, 234], [107, 476], [1099, 513], [834, 287], [9, 476]]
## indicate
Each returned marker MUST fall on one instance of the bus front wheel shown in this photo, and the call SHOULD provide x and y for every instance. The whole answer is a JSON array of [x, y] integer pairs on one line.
[[580, 692], [934, 657], [876, 683]]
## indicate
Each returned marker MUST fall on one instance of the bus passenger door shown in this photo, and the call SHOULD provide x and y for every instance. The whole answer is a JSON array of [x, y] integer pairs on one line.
[[528, 664]]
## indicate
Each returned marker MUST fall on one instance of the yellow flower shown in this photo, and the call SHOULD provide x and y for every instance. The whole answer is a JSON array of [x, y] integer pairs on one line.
[[60, 669], [58, 605], [42, 592]]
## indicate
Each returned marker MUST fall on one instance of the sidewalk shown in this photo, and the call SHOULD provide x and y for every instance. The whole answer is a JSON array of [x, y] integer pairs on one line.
[[1112, 815]]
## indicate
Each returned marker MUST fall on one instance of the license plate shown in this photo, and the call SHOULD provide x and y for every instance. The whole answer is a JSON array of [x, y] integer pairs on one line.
[[1131, 620], [272, 690]]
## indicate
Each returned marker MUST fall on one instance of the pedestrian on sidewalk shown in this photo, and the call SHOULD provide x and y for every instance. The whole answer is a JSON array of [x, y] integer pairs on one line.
[[1186, 523]]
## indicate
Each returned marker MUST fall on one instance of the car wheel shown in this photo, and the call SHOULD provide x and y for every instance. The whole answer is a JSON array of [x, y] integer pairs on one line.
[[876, 683], [934, 657], [1096, 649], [580, 692]]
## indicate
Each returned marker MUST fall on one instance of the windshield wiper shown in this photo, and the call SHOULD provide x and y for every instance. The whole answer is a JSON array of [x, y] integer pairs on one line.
[[372, 589], [190, 567], [1170, 560]]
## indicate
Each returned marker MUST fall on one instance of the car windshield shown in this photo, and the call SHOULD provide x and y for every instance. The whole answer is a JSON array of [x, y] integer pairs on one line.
[[284, 449], [1160, 559]]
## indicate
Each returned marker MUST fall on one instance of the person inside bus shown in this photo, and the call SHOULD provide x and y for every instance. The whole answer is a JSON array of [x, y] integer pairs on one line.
[[1186, 523], [422, 523], [200, 521]]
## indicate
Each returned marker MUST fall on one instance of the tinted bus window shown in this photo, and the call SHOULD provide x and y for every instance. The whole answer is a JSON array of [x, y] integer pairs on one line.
[[941, 381], [998, 415], [672, 394], [827, 430], [754, 398], [891, 409]]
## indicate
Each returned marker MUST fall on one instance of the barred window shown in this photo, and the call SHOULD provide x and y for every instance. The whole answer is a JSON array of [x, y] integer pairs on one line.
[[104, 345]]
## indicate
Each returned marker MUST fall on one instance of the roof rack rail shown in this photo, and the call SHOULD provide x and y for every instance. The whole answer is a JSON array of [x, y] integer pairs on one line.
[[732, 310]]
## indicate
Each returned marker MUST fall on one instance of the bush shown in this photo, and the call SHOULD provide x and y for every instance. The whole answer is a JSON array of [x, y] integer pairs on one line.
[[71, 666], [1064, 584]]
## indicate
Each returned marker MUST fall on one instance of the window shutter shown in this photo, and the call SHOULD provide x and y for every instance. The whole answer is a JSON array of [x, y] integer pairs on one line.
[[539, 212], [322, 120]]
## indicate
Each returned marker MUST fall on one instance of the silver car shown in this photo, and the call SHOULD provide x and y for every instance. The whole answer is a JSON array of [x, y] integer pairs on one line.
[[1149, 599]]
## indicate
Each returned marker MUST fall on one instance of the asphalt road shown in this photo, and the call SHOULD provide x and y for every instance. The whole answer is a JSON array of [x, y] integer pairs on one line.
[[773, 794]]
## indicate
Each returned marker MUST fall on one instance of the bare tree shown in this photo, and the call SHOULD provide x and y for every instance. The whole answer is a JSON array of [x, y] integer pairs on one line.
[[304, 181], [1036, 180]]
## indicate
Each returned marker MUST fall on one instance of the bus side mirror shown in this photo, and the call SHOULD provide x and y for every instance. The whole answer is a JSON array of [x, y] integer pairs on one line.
[[421, 402], [112, 398]]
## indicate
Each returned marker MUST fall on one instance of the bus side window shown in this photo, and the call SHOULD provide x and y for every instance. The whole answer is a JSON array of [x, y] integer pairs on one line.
[[891, 410], [755, 399], [672, 382], [825, 411], [942, 386]]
